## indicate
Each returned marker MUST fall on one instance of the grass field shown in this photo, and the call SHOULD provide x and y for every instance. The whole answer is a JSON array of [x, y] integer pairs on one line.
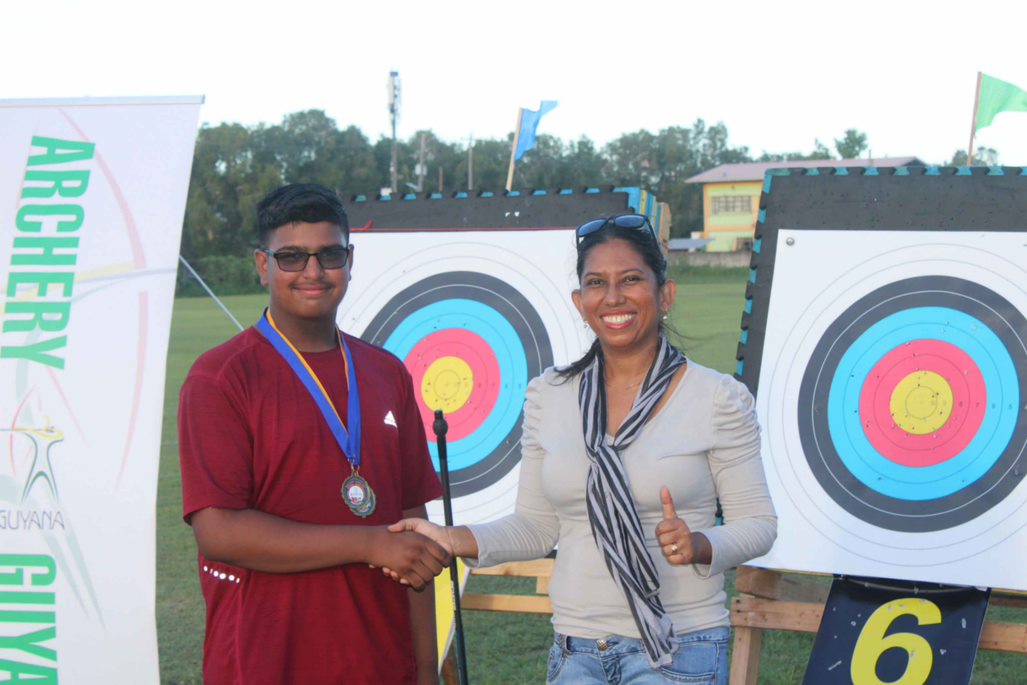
[[502, 649]]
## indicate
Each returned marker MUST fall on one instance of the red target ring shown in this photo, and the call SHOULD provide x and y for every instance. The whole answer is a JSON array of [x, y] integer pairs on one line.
[[963, 418], [461, 368]]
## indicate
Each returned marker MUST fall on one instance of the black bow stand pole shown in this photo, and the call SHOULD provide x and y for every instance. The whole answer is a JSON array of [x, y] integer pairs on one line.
[[440, 427]]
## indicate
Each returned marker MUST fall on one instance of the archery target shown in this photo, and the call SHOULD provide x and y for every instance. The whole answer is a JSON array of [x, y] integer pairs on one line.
[[909, 406], [893, 392], [474, 317], [466, 336]]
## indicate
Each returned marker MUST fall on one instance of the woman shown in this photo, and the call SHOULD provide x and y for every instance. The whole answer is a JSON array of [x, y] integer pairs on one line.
[[624, 456]]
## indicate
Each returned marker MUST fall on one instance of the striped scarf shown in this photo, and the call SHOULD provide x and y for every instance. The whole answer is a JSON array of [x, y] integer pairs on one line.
[[611, 510]]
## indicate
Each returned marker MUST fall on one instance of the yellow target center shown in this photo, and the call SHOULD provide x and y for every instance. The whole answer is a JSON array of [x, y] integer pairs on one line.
[[921, 403], [447, 384]]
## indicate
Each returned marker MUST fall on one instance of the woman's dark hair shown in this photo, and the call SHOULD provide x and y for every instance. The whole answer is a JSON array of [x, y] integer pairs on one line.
[[644, 243]]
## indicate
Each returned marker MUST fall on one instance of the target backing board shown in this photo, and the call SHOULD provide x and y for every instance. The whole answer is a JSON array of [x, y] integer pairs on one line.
[[886, 341], [475, 311]]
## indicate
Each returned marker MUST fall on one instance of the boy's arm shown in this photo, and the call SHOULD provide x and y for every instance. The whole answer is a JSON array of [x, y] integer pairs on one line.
[[423, 624], [263, 542]]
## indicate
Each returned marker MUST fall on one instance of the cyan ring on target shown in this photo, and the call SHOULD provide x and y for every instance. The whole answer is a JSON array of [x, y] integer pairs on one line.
[[931, 482], [501, 336]]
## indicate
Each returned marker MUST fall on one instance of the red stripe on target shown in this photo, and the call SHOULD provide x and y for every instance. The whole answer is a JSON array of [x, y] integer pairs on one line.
[[472, 398], [966, 414]]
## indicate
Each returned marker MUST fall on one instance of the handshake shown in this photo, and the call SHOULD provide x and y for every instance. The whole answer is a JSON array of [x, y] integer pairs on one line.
[[416, 550]]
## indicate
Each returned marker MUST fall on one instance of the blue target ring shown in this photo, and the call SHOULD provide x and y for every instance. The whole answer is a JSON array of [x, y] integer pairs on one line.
[[513, 330], [875, 470], [990, 332], [513, 368]]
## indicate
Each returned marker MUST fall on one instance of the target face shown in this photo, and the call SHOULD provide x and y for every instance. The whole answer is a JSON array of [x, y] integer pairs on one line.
[[910, 407], [472, 343], [892, 393], [474, 317]]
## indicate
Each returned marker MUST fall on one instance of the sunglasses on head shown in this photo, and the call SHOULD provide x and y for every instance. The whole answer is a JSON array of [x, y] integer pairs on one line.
[[638, 222], [291, 260]]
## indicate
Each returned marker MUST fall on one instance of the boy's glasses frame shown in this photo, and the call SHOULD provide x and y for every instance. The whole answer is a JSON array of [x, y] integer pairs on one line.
[[293, 261]]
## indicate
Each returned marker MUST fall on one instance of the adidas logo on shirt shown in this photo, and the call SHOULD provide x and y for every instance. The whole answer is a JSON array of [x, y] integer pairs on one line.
[[390, 420]]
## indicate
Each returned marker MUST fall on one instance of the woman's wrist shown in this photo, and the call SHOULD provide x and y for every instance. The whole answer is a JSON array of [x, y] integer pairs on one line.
[[702, 550], [462, 541]]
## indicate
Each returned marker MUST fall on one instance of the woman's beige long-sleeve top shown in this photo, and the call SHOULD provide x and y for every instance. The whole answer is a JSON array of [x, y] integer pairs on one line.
[[704, 443]]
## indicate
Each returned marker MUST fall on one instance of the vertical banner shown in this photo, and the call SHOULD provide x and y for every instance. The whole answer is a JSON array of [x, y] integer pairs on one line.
[[92, 196]]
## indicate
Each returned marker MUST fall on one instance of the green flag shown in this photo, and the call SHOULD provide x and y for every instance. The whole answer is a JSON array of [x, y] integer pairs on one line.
[[997, 96]]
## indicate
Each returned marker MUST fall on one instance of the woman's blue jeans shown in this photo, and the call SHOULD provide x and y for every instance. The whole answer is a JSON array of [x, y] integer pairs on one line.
[[699, 657]]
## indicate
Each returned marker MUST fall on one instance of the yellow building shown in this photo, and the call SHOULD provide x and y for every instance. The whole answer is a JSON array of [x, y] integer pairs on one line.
[[731, 196]]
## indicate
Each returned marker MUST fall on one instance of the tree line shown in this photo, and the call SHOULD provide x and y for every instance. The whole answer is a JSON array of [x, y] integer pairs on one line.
[[235, 165]]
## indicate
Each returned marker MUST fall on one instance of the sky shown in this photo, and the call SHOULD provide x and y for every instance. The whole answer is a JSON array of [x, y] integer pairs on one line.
[[778, 75]]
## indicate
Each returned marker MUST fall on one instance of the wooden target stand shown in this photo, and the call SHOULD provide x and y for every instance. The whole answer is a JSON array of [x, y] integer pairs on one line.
[[539, 603], [765, 600], [932, 207], [774, 600]]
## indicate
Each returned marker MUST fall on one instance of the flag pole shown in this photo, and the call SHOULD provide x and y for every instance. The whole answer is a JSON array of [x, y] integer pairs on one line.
[[973, 125], [513, 150], [470, 162]]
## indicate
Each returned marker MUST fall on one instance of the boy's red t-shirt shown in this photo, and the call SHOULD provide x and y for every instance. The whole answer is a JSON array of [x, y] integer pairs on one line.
[[251, 437]]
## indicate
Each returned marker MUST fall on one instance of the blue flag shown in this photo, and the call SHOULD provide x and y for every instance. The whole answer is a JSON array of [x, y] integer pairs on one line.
[[529, 124]]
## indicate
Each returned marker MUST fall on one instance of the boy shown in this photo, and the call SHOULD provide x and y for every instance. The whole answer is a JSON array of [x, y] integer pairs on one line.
[[298, 445]]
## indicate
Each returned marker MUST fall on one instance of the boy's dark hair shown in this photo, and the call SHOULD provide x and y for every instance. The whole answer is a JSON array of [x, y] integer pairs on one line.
[[307, 202]]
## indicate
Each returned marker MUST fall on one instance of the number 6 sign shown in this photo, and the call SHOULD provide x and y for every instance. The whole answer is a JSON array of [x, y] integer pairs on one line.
[[897, 634]]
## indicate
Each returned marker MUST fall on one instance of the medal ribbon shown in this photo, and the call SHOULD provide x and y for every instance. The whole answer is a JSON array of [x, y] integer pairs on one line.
[[349, 441]]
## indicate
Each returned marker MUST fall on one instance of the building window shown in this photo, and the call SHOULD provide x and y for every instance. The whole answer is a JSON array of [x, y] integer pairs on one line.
[[732, 204]]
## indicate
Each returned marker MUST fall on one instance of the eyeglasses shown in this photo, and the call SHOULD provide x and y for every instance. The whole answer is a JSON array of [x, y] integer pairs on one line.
[[637, 222], [330, 258]]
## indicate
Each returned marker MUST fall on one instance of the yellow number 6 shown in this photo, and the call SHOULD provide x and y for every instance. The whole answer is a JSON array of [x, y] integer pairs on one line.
[[872, 643]]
